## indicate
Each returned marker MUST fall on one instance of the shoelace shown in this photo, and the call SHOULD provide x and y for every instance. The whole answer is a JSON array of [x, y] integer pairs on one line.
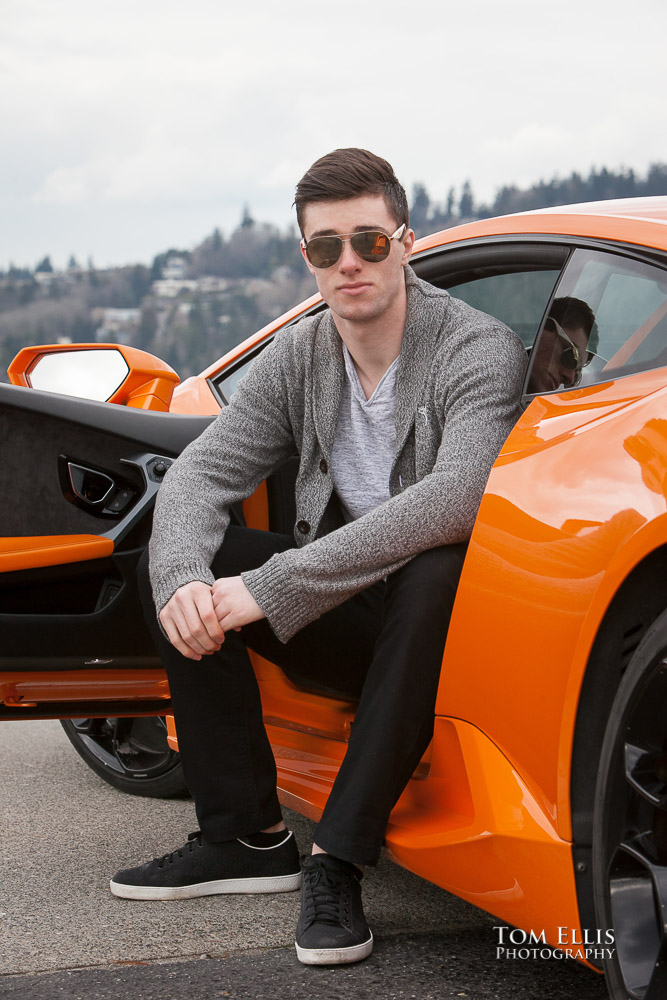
[[323, 902], [194, 840]]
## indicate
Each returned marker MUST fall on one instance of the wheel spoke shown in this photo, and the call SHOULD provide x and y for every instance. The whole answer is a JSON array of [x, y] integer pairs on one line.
[[638, 896], [646, 771], [140, 746], [132, 754], [88, 726]]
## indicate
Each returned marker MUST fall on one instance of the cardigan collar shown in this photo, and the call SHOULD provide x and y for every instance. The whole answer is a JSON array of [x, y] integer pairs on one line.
[[422, 324]]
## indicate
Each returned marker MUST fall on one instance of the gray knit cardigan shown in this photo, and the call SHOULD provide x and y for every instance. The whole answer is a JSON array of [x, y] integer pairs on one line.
[[458, 385]]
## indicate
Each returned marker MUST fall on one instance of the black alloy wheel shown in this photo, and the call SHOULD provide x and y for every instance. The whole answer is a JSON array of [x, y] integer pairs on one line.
[[131, 754], [630, 826]]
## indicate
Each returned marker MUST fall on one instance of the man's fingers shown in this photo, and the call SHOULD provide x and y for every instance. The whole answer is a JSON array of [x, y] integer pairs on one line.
[[176, 639], [179, 643], [206, 612], [190, 621]]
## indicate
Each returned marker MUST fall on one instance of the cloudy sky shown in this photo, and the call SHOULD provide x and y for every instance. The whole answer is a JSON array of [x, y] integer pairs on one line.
[[134, 126]]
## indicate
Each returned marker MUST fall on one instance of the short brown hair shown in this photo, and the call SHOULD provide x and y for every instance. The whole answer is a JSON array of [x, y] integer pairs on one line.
[[350, 173], [573, 313]]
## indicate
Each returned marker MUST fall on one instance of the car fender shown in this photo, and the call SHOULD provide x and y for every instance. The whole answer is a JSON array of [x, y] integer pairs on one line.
[[568, 512]]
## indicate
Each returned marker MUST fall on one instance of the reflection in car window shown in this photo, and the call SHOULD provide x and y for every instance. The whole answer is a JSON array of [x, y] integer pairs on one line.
[[609, 319], [517, 298]]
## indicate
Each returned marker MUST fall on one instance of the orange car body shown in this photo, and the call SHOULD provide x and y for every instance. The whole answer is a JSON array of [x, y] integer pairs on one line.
[[575, 505]]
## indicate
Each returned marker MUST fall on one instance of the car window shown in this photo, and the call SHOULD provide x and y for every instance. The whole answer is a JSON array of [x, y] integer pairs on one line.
[[608, 319], [513, 281], [227, 382], [518, 299]]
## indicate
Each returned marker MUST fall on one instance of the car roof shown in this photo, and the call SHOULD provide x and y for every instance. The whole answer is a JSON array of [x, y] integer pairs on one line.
[[640, 221]]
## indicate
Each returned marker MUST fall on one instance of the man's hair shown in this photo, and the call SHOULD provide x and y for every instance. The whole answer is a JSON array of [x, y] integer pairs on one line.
[[575, 313], [351, 173]]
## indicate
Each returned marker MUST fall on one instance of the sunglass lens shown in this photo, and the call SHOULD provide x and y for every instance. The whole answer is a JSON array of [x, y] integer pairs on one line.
[[371, 246], [324, 251], [569, 359]]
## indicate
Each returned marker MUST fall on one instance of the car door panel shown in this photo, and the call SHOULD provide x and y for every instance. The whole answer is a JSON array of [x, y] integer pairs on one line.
[[37, 428], [68, 597]]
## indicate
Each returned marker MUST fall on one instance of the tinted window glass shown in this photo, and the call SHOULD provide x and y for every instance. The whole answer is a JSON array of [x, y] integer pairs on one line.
[[227, 383], [518, 298], [608, 319]]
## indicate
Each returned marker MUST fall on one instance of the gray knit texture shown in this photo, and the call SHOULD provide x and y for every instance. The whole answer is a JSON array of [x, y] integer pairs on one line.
[[459, 382]]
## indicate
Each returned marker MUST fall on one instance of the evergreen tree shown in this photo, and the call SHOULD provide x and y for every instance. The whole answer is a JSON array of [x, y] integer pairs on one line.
[[466, 202], [420, 209]]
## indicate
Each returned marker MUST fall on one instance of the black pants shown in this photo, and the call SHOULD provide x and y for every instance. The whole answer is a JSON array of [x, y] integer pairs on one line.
[[383, 646]]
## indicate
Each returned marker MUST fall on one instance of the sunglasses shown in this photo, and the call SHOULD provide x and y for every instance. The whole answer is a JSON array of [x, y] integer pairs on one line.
[[570, 355], [324, 251], [571, 358]]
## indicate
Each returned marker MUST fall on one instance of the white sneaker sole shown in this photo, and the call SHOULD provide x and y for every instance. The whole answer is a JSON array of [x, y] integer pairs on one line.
[[275, 883], [334, 956]]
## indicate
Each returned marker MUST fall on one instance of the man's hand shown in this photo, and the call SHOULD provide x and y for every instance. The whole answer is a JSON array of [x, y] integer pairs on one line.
[[234, 604], [190, 621]]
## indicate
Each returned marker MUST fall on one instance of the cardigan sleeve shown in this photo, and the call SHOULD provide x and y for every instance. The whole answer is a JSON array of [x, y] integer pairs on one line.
[[248, 440]]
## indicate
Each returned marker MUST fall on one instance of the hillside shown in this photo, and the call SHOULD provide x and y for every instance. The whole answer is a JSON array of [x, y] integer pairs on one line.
[[191, 306]]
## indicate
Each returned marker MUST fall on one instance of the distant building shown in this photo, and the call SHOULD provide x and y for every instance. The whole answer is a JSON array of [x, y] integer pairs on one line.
[[46, 278], [116, 324], [208, 283], [175, 269], [169, 288]]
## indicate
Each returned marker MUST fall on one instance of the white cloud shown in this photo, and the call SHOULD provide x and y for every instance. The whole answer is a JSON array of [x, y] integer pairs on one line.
[[187, 111]]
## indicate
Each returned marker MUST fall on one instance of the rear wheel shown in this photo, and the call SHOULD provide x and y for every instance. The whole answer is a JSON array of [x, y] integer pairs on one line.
[[630, 826], [130, 754]]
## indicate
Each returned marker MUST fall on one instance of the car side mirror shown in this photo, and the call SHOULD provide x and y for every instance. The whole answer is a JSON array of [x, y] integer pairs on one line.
[[113, 373]]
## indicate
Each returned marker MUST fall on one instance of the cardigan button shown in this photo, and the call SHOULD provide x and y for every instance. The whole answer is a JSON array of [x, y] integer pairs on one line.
[[323, 466], [303, 527]]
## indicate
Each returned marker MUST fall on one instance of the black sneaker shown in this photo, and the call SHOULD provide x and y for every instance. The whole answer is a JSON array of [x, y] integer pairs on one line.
[[332, 928], [263, 862]]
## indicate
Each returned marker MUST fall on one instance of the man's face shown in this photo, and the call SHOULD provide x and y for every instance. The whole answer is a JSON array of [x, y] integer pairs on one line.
[[554, 364], [354, 289]]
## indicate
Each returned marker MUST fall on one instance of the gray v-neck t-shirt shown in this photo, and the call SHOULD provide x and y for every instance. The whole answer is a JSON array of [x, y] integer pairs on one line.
[[365, 442]]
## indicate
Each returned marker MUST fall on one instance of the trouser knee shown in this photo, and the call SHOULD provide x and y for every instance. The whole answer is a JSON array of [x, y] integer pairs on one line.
[[427, 584]]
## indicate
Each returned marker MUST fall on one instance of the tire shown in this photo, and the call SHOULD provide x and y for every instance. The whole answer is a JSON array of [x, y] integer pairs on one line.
[[630, 826], [131, 754]]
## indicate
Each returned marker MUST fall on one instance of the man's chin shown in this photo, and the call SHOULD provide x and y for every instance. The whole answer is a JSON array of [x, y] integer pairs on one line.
[[357, 311]]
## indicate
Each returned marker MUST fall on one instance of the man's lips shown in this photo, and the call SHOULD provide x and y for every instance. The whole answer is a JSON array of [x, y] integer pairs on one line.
[[354, 287]]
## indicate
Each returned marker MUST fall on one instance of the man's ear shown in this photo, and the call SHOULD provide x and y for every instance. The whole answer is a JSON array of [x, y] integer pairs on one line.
[[307, 262], [408, 242]]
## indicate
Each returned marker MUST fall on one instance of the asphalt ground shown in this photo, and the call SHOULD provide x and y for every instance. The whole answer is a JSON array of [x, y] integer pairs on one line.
[[64, 832]]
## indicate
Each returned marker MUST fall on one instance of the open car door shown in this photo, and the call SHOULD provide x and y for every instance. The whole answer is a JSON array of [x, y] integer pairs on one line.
[[77, 487]]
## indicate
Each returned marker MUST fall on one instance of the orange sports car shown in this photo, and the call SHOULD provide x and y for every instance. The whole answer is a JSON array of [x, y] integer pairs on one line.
[[543, 795]]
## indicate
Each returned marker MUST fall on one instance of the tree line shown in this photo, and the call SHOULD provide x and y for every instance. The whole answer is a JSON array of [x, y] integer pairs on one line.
[[427, 216], [262, 274]]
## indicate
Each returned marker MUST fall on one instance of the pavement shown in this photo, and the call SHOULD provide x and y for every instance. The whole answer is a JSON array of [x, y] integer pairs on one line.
[[64, 832]]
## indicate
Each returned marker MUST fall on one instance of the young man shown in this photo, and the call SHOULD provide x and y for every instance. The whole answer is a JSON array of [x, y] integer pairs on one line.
[[568, 343], [397, 400]]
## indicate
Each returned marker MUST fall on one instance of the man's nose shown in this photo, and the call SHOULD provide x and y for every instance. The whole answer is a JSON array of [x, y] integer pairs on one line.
[[349, 260]]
